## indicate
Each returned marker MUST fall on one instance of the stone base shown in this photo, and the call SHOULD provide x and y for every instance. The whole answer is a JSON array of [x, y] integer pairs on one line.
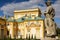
[[48, 38]]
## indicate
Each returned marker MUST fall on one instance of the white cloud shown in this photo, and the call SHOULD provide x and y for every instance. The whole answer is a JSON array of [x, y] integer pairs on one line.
[[57, 11], [57, 8], [58, 25], [9, 8]]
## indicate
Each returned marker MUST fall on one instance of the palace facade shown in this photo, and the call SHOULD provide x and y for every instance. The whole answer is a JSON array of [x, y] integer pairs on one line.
[[26, 23]]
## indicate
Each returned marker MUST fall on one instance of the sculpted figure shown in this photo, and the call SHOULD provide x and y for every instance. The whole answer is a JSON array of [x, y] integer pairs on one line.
[[49, 20], [50, 25], [50, 10]]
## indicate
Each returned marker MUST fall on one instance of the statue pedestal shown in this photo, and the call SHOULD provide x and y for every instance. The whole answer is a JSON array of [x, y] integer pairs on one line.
[[48, 38]]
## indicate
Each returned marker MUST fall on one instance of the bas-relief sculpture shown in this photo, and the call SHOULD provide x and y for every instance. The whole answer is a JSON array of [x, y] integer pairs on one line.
[[49, 20]]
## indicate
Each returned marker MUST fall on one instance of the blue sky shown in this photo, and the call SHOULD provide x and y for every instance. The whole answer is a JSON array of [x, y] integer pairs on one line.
[[8, 6]]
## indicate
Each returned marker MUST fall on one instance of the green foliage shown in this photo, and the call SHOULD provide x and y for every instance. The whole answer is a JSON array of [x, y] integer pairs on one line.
[[58, 30], [59, 35]]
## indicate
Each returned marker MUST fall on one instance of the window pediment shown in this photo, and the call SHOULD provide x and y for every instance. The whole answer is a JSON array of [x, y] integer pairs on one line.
[[33, 25]]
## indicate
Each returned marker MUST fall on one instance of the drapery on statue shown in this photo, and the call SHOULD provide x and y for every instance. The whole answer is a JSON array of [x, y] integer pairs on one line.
[[49, 20]]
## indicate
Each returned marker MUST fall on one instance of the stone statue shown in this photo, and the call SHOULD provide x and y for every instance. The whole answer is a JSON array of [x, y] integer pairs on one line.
[[50, 10], [49, 20]]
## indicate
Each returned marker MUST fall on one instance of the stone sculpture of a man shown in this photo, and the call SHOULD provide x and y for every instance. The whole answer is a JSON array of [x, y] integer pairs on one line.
[[49, 17], [50, 10], [50, 26]]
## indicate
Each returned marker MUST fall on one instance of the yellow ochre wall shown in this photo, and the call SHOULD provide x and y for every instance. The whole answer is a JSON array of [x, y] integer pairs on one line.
[[39, 29]]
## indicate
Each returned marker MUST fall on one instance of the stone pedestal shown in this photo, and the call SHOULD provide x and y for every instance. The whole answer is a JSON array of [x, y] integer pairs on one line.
[[48, 38]]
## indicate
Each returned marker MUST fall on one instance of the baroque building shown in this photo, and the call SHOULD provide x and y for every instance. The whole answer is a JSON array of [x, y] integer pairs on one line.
[[26, 23]]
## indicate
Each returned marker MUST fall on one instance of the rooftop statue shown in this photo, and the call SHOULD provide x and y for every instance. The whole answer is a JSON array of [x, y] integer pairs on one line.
[[49, 19]]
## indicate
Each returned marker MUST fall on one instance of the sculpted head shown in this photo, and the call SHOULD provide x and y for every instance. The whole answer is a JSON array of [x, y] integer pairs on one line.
[[48, 3]]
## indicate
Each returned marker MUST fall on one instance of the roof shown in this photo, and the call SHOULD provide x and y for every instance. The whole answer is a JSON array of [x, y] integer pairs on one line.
[[35, 9], [19, 20], [10, 20], [38, 18], [22, 19], [28, 19]]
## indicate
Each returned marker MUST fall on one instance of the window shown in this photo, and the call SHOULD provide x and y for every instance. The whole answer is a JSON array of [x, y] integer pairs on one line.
[[7, 32], [28, 30], [37, 22], [28, 23], [2, 26], [25, 15], [7, 24], [18, 32], [22, 18]]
